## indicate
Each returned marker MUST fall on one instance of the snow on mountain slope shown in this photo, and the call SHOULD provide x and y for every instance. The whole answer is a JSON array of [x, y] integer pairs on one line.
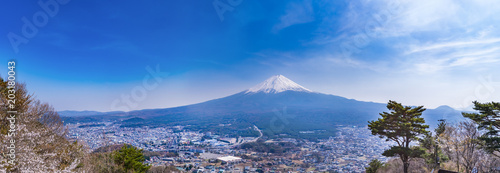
[[277, 84]]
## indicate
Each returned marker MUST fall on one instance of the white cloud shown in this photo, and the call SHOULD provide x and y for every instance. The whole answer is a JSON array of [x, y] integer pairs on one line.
[[420, 52], [296, 13], [409, 16], [402, 18], [459, 54], [424, 36], [454, 44]]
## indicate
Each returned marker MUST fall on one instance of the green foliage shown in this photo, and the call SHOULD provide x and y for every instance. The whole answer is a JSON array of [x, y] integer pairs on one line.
[[428, 142], [441, 127], [102, 163], [149, 154], [430, 158], [402, 125], [276, 148], [487, 119], [104, 159], [130, 158], [374, 165], [411, 152], [433, 154]]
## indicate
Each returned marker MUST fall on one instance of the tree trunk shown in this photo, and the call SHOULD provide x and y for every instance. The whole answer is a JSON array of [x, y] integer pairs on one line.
[[405, 166]]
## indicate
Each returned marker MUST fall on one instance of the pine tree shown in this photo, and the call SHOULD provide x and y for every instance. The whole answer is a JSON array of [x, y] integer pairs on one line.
[[488, 119], [130, 158], [374, 165], [402, 125], [434, 155]]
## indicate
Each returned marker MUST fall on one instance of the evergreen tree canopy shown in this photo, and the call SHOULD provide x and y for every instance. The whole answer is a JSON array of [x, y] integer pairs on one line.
[[130, 158], [488, 119], [374, 165], [402, 125]]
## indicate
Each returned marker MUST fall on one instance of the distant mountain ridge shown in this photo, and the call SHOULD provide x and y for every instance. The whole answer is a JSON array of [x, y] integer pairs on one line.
[[68, 113], [278, 106]]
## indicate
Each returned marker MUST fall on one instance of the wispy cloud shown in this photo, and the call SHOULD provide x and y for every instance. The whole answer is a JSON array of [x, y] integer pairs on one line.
[[423, 37], [452, 45], [432, 66], [446, 16], [296, 13]]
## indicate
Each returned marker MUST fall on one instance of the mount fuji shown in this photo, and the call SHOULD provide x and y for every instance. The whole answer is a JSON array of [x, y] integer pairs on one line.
[[278, 106], [277, 84]]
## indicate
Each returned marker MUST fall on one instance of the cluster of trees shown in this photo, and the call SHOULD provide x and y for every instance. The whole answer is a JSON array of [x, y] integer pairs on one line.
[[275, 148], [125, 159], [469, 146], [39, 141]]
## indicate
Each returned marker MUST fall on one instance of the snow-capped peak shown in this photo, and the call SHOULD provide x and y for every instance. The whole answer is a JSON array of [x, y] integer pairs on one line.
[[277, 84]]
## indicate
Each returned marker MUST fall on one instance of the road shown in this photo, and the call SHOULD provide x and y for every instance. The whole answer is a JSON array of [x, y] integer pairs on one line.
[[253, 140]]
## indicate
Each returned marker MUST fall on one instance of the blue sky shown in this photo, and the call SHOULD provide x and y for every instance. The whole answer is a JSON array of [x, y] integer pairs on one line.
[[128, 55]]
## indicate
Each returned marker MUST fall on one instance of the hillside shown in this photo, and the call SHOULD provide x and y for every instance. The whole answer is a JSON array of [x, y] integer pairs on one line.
[[278, 106]]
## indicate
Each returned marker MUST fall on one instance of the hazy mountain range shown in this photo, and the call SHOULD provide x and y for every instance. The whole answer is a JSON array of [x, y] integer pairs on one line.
[[278, 106]]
